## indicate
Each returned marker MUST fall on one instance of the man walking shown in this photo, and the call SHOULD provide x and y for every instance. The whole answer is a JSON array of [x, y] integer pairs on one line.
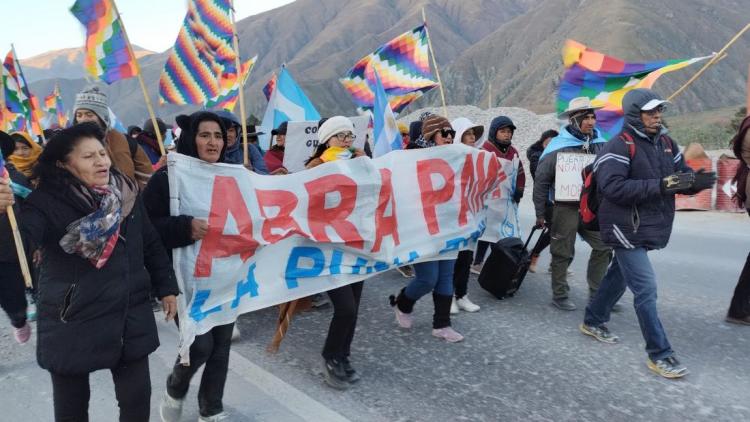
[[638, 173], [580, 136]]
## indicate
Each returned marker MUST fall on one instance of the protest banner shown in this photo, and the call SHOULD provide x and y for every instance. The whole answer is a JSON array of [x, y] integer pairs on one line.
[[568, 178], [300, 144], [273, 239], [502, 211]]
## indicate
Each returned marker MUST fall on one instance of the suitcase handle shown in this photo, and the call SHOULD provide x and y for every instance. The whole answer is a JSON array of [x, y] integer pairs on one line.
[[533, 230]]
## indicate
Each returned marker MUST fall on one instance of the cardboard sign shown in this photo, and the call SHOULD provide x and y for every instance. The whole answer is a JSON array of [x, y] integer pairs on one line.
[[568, 179], [360, 131], [273, 239], [300, 144]]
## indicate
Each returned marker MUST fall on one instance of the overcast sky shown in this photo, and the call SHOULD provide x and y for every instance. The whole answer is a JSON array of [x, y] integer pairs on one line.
[[38, 26]]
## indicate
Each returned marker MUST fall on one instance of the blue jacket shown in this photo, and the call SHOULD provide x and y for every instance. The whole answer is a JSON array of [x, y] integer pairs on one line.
[[633, 211]]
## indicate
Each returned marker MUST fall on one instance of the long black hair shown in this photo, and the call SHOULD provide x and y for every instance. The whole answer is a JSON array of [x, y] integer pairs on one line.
[[47, 169], [189, 125], [740, 177], [550, 133]]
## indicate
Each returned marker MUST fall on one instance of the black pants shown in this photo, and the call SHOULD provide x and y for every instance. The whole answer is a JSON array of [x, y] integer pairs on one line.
[[740, 307], [461, 272], [12, 293], [546, 237], [132, 388], [341, 331], [481, 251], [211, 349]]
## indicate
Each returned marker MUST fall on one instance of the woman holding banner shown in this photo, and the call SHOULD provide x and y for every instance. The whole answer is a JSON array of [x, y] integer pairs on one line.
[[336, 136], [431, 276], [203, 136], [101, 260]]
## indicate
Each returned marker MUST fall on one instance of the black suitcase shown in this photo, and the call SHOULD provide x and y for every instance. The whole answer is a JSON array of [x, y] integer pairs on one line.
[[506, 267]]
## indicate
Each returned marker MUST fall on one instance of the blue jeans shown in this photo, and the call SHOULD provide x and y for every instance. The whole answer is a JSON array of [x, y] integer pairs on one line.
[[431, 276], [631, 268]]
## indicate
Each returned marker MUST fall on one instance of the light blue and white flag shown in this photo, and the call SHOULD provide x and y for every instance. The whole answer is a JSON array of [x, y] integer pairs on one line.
[[115, 123], [287, 103], [385, 129]]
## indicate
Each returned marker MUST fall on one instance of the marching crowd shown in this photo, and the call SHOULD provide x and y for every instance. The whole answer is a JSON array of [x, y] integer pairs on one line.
[[98, 232]]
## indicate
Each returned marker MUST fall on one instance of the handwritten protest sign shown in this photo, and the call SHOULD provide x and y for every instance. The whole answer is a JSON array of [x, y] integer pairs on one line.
[[300, 144], [272, 239], [568, 179]]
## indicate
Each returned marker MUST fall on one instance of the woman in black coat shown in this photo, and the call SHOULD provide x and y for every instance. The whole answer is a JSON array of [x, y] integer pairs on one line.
[[101, 260], [204, 137]]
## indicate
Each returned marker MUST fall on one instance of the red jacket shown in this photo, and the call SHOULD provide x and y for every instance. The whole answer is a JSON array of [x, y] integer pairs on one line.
[[508, 155]]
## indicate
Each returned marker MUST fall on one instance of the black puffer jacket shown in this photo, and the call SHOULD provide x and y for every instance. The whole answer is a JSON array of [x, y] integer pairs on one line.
[[88, 318], [7, 244]]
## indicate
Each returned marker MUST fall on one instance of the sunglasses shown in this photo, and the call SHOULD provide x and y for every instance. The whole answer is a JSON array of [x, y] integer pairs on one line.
[[448, 133], [341, 136]]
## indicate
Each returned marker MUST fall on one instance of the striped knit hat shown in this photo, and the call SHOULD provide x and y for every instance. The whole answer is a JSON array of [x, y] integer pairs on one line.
[[432, 125]]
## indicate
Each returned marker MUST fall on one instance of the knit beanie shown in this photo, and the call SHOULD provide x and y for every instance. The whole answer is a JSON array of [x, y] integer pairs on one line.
[[334, 125], [93, 99], [432, 125]]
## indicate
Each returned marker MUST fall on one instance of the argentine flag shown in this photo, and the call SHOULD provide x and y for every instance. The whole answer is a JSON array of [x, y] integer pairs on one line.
[[385, 130], [287, 103]]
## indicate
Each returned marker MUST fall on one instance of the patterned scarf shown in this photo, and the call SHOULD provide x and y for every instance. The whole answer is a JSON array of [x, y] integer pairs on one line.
[[95, 235]]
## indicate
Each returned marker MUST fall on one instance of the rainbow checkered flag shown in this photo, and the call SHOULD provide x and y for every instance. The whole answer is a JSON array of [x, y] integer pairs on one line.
[[403, 67], [230, 88], [606, 79], [201, 55], [107, 54]]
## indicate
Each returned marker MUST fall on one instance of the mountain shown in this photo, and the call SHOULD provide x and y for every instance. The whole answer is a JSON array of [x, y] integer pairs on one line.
[[66, 63], [512, 45]]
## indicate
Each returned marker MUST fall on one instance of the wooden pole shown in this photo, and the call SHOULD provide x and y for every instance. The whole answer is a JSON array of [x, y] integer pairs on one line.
[[140, 80], [27, 94], [434, 63], [286, 311], [237, 64], [747, 103], [718, 56]]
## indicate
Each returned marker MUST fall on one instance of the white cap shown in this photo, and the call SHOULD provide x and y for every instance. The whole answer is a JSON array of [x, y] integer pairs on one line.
[[652, 104]]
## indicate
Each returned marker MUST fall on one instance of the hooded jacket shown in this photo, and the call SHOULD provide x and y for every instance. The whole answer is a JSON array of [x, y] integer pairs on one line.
[[544, 177], [175, 231], [235, 153], [507, 153], [633, 211]]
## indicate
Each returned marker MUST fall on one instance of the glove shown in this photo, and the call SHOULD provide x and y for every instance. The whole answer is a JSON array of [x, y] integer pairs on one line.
[[677, 182], [703, 180], [517, 195]]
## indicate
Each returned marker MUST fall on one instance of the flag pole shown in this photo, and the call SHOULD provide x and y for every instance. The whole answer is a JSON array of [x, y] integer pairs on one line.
[[150, 108], [236, 42], [718, 56], [434, 63], [27, 94]]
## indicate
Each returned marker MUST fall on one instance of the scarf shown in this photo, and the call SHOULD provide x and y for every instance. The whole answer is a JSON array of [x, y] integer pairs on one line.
[[336, 153], [95, 235], [26, 164]]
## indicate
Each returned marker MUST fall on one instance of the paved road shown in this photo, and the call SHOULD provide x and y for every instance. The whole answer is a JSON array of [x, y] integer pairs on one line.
[[522, 359]]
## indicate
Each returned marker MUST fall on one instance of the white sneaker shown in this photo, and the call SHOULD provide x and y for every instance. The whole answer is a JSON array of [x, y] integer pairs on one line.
[[476, 269], [235, 333], [448, 334], [454, 307], [223, 416], [466, 305], [170, 409]]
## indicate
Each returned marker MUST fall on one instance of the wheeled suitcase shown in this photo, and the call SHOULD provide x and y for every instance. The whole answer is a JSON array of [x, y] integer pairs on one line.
[[506, 267]]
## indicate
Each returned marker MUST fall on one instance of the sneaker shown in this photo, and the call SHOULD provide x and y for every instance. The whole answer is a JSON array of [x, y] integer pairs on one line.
[[448, 334], [532, 264], [320, 301], [170, 409], [335, 374], [476, 269], [351, 373], [235, 333], [403, 320], [407, 271], [565, 304], [22, 334], [31, 307], [467, 305], [600, 333], [223, 416], [740, 321], [668, 368], [454, 307]]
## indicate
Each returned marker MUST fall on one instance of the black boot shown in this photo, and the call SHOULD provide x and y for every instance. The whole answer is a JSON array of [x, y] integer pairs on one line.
[[404, 304], [442, 316]]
